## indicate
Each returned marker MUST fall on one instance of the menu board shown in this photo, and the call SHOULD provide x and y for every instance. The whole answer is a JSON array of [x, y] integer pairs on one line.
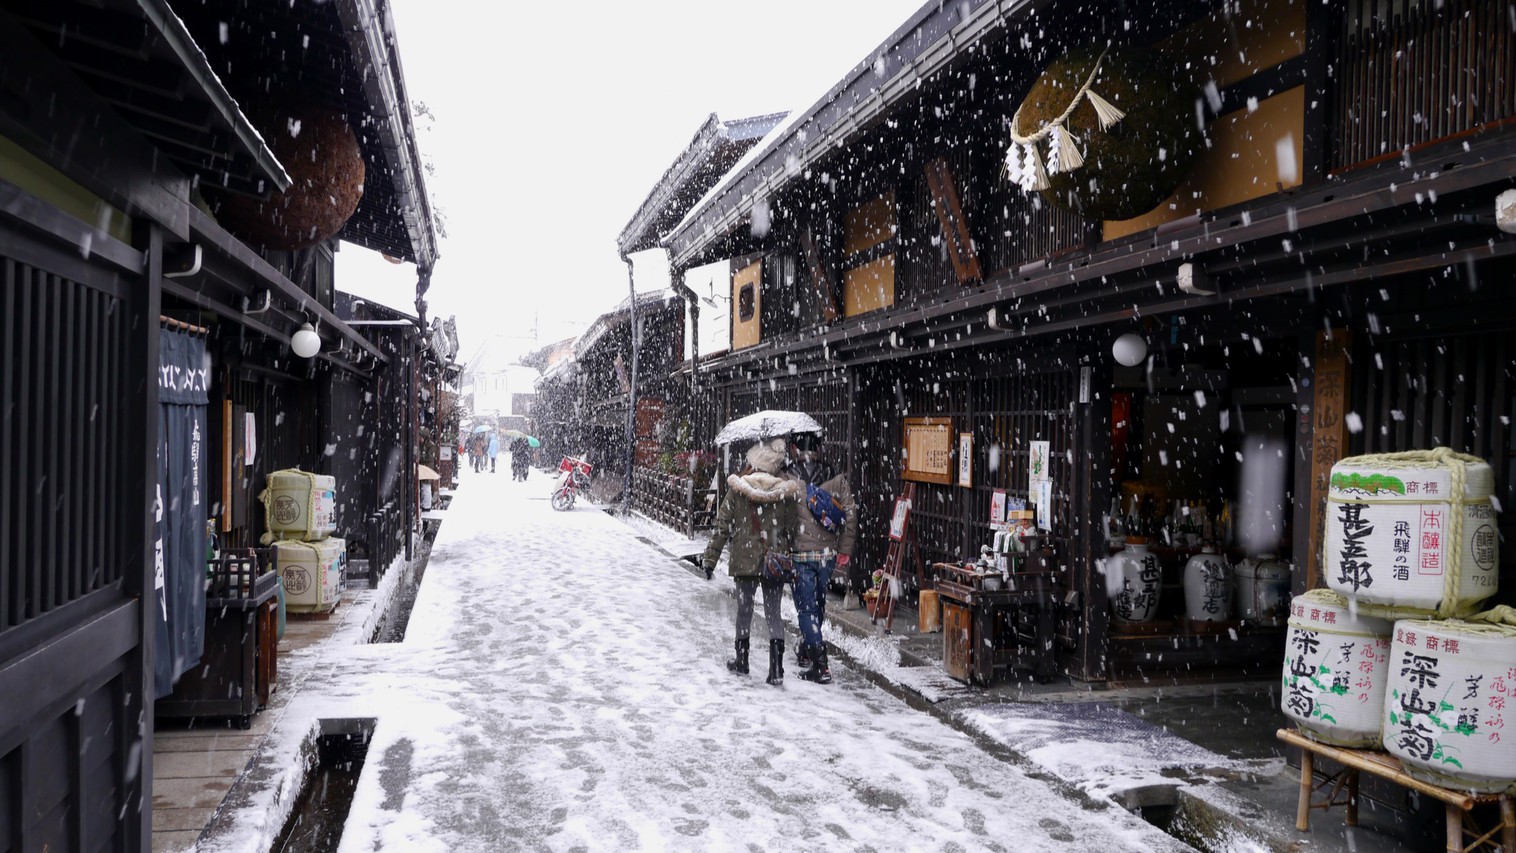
[[928, 450]]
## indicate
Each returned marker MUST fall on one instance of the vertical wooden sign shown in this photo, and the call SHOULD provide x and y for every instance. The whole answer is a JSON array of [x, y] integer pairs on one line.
[[1329, 435]]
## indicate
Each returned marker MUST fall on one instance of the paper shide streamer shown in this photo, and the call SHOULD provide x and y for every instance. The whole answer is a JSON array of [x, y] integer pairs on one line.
[[1025, 163]]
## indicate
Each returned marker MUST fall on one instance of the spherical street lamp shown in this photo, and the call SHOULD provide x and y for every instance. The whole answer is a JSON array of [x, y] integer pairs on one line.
[[305, 342], [1129, 350]]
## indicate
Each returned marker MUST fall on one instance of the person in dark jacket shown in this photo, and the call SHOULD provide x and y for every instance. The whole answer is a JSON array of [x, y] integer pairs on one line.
[[759, 513], [822, 545], [521, 451]]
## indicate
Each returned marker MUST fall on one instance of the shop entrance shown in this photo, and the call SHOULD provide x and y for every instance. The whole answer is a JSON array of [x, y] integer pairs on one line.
[[1198, 528]]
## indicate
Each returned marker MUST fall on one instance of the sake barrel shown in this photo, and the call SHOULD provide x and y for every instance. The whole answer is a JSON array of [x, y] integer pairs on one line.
[[1445, 704], [1335, 666], [312, 573], [1412, 532], [300, 505]]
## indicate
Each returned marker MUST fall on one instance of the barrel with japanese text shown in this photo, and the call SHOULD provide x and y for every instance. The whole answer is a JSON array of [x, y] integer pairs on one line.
[[312, 573], [1412, 534], [300, 505], [1335, 665], [1444, 710]]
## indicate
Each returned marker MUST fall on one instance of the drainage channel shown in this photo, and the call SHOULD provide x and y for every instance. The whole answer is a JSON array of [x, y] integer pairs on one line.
[[397, 613], [320, 811]]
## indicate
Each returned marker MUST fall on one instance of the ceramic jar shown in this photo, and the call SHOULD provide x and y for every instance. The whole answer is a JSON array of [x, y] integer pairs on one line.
[[1134, 579], [1207, 587], [1263, 591]]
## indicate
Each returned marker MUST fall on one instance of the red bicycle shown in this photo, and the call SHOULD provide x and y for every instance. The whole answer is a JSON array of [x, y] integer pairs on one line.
[[573, 480]]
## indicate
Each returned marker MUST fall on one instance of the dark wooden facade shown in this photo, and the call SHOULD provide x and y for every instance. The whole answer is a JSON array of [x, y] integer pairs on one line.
[[1379, 224], [110, 117]]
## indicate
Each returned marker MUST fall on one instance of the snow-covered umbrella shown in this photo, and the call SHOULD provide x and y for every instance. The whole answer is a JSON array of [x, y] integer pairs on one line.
[[767, 424], [482, 428]]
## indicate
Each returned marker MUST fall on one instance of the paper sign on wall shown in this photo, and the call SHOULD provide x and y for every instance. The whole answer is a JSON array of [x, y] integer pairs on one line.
[[997, 508], [249, 438], [1039, 486]]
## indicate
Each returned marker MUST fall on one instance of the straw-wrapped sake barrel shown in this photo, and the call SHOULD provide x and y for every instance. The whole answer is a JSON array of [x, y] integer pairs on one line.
[[1334, 670], [1445, 712], [1412, 534], [312, 573], [300, 505]]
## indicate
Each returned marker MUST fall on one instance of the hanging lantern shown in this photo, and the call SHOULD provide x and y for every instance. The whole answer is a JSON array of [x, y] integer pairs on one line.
[[318, 149], [1115, 129]]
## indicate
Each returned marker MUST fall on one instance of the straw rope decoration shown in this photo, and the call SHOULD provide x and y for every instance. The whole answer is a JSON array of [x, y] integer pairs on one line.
[[1024, 164], [1457, 465]]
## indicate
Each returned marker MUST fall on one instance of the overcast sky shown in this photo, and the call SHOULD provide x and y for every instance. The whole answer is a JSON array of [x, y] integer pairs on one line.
[[552, 122]]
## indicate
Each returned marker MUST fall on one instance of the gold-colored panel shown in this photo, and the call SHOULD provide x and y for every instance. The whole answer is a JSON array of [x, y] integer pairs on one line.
[[869, 287], [869, 224], [33, 176], [746, 333], [1252, 154], [1232, 47]]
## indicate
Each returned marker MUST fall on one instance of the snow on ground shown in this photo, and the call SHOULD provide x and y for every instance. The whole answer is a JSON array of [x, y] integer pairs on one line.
[[561, 687], [1102, 750]]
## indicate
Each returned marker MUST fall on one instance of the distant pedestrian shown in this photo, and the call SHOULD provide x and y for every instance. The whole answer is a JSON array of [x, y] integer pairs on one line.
[[521, 458], [827, 530], [759, 512], [493, 449]]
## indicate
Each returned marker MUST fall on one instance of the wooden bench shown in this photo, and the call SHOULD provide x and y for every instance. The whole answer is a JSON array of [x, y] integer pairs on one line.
[[1355, 761]]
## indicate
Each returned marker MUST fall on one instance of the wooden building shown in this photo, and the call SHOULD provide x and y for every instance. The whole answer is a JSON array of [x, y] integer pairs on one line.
[[1317, 268], [128, 130]]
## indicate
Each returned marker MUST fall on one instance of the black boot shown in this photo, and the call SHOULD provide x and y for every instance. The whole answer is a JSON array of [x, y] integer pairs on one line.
[[776, 662], [739, 665], [802, 656], [819, 671]]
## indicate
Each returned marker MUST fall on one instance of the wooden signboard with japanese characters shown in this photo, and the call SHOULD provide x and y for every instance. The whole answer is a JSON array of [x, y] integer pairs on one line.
[[1329, 433], [928, 447]]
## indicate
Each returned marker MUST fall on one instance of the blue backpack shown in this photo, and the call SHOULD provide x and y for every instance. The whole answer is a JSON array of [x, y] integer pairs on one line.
[[824, 507]]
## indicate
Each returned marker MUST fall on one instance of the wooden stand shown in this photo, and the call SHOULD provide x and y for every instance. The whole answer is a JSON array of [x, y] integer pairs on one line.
[[238, 669], [1344, 791]]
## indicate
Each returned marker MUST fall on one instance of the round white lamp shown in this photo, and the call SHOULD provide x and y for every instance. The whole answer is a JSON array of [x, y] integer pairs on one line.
[[1129, 350], [305, 342]]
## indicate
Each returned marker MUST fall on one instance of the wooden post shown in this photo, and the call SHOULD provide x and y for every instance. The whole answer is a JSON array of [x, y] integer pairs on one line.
[[1329, 436], [1307, 776], [1455, 828], [1092, 486]]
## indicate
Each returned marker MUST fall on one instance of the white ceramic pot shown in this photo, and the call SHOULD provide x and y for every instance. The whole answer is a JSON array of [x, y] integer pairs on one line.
[[1135, 578], [1335, 669], [1389, 538], [1263, 590], [1207, 587], [1445, 704]]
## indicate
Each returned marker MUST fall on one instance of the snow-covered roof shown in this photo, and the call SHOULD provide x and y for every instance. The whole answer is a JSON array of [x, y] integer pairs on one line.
[[922, 46], [709, 155]]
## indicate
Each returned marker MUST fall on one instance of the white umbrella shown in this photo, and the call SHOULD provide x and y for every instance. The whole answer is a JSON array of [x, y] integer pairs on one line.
[[767, 424]]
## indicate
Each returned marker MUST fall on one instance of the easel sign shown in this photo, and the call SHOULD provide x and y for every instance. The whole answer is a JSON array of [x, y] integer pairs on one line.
[[899, 518]]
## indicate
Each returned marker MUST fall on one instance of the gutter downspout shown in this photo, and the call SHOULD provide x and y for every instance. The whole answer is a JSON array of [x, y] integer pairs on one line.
[[676, 278], [631, 397]]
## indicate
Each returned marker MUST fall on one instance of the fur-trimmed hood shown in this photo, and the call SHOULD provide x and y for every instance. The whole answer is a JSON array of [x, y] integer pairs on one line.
[[762, 488]]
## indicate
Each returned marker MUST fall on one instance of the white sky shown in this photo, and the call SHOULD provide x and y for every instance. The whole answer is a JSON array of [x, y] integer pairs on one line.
[[554, 122]]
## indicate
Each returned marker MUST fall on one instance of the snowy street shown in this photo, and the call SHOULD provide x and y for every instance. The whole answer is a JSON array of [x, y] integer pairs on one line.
[[562, 687]]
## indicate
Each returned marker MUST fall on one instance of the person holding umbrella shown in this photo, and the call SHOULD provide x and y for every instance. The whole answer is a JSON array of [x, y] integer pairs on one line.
[[493, 449], [758, 513], [828, 527]]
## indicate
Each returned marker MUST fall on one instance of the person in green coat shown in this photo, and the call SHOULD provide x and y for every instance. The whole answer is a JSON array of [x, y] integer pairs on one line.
[[759, 512]]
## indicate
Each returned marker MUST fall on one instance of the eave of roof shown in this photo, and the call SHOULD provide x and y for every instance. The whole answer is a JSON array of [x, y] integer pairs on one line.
[[715, 147], [341, 53], [138, 56], [925, 44]]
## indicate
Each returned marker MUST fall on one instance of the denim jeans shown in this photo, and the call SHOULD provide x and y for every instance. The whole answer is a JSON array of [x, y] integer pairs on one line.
[[811, 579]]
